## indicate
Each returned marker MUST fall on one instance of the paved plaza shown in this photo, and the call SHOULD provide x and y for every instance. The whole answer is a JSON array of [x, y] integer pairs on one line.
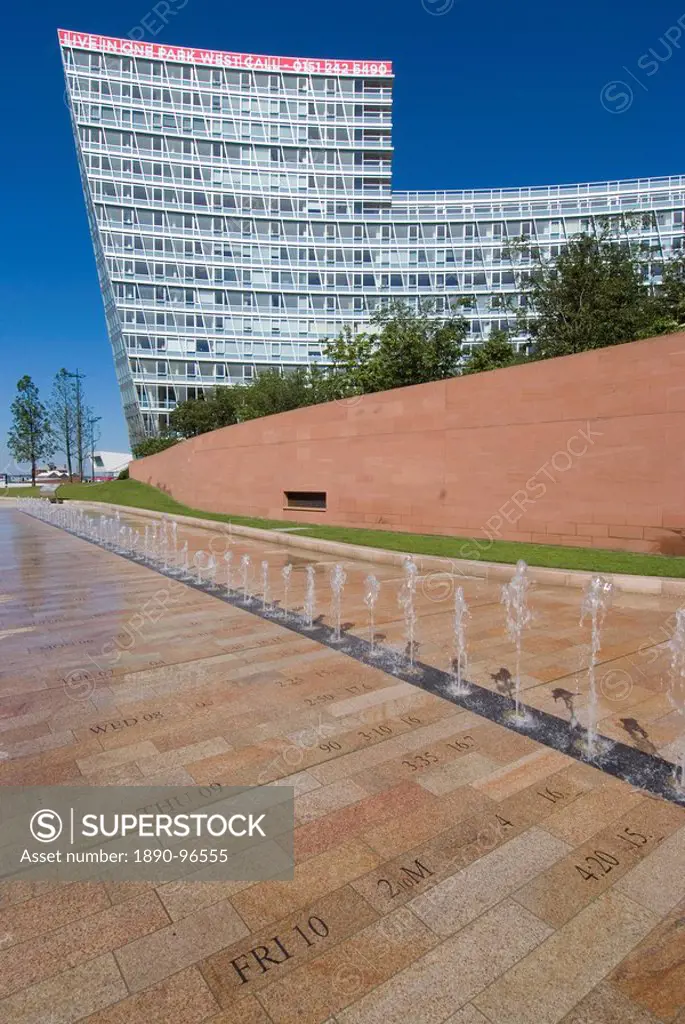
[[447, 869]]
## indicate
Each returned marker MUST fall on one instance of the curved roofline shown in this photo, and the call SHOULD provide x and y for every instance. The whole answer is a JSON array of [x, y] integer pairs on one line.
[[224, 58], [613, 186]]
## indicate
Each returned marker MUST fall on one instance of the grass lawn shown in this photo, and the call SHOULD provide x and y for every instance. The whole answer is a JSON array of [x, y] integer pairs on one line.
[[137, 495], [19, 492]]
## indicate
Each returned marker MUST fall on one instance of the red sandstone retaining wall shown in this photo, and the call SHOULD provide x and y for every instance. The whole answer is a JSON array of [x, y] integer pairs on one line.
[[584, 450]]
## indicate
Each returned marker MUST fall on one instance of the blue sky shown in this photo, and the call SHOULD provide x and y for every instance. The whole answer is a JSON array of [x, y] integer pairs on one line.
[[487, 94]]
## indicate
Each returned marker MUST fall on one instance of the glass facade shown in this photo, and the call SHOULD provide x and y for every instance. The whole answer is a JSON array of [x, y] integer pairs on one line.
[[241, 212]]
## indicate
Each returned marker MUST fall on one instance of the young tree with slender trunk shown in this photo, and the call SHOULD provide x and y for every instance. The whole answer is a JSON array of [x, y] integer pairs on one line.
[[63, 415], [30, 437], [80, 422]]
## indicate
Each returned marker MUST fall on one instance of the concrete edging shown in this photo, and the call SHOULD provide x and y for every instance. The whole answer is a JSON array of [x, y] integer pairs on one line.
[[433, 564]]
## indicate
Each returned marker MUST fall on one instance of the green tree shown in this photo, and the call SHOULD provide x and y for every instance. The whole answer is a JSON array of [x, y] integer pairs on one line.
[[69, 415], [591, 296], [218, 408], [225, 403], [405, 346], [30, 437], [349, 357], [670, 295], [192, 417], [272, 392], [415, 347], [152, 445], [63, 416], [495, 352]]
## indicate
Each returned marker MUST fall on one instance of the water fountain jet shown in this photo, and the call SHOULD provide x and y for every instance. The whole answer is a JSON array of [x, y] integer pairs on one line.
[[338, 577], [310, 597], [174, 542], [595, 604], [228, 559], [406, 601], [265, 586], [459, 686], [245, 564], [286, 573], [198, 559], [515, 600], [676, 690], [372, 589]]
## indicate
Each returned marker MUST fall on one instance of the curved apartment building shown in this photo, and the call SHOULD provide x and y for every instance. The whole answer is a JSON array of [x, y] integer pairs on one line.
[[242, 213]]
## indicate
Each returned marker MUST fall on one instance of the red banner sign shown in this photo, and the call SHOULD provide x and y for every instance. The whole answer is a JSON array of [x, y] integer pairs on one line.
[[217, 58]]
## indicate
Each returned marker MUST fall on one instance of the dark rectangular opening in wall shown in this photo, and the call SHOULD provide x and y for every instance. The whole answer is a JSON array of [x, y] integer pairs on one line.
[[306, 499]]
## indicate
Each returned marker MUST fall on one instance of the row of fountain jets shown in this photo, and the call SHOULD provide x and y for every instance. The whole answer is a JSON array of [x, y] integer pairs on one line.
[[157, 545]]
